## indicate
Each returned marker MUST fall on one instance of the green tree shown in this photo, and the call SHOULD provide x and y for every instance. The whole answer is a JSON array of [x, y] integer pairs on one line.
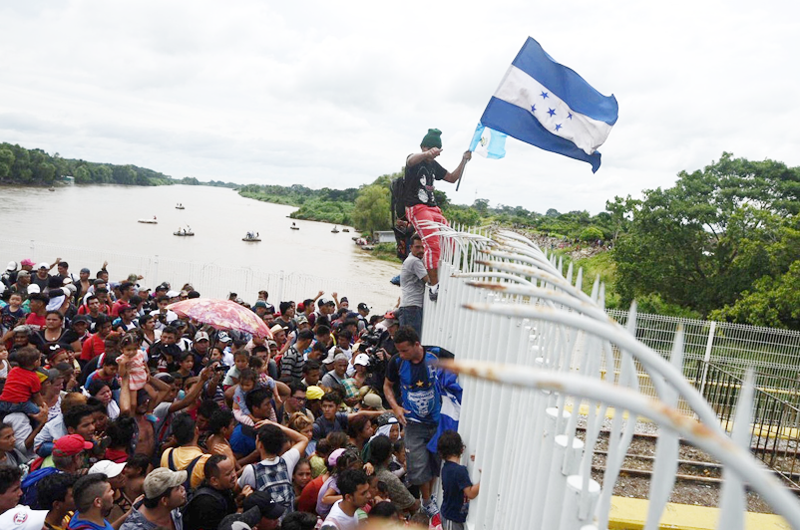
[[6, 162], [371, 211], [703, 242]]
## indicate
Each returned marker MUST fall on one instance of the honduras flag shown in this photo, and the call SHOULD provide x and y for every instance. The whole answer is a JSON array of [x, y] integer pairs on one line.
[[451, 392], [488, 143], [546, 104]]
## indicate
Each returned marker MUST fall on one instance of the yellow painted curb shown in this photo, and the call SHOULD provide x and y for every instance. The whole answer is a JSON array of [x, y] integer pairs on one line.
[[631, 514]]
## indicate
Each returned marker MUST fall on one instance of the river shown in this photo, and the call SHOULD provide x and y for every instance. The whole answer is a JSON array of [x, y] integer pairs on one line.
[[86, 225]]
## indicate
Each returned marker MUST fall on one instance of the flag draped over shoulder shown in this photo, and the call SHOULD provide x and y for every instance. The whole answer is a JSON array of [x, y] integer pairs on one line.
[[548, 105]]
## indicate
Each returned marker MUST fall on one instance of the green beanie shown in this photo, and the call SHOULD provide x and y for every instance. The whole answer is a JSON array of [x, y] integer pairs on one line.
[[432, 139]]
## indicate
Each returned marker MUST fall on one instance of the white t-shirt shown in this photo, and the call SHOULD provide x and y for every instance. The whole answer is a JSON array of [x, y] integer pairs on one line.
[[290, 457], [340, 520]]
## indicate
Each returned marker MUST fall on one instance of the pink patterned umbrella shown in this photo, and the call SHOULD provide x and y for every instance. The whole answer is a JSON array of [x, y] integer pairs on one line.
[[222, 314]]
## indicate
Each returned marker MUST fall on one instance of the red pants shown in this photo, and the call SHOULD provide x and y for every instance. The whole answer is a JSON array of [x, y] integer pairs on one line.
[[420, 212]]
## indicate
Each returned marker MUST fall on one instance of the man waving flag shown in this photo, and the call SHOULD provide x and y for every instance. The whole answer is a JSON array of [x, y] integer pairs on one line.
[[546, 104]]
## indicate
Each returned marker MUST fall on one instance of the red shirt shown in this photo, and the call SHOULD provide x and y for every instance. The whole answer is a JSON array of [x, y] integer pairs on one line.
[[20, 384], [36, 321], [118, 456], [308, 498], [117, 305], [93, 347]]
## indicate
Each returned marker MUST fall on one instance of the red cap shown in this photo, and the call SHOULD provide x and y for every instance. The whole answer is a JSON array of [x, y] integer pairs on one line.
[[71, 445]]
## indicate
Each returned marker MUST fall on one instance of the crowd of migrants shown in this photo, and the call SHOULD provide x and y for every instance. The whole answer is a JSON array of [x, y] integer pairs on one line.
[[117, 413]]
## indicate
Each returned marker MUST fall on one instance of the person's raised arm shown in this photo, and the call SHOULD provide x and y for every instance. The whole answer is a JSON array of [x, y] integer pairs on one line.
[[336, 300], [125, 405], [194, 392], [41, 417], [299, 440], [470, 492], [455, 175], [369, 414], [416, 158]]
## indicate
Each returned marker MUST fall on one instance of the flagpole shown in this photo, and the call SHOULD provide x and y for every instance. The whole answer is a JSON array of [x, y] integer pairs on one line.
[[458, 183]]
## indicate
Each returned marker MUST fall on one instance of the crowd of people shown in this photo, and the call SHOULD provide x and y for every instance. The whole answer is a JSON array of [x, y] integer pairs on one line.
[[118, 413]]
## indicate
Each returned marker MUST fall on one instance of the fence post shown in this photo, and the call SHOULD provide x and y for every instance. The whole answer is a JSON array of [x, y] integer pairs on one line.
[[33, 250], [281, 285], [707, 358]]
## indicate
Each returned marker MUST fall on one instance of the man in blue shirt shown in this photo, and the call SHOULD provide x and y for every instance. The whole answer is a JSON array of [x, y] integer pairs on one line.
[[94, 499], [413, 369]]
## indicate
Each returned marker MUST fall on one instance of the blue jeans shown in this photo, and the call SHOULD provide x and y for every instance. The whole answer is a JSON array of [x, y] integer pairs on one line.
[[412, 316], [28, 407]]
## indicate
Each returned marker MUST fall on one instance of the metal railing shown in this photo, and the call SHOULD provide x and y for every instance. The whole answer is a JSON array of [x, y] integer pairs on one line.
[[775, 422], [539, 355], [212, 280]]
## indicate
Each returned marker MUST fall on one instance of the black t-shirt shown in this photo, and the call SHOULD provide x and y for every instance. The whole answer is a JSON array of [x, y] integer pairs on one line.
[[207, 508], [419, 182]]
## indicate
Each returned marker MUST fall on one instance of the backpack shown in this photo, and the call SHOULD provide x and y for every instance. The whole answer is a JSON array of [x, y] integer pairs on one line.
[[397, 189], [189, 469], [30, 486]]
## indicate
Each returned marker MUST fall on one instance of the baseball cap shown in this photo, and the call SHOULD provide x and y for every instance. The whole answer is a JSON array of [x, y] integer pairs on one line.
[[246, 520], [362, 359], [86, 270], [314, 392], [372, 401], [200, 335], [301, 320], [160, 480], [223, 337], [21, 517], [24, 274], [260, 303], [71, 445], [173, 294], [263, 501], [27, 261], [363, 307], [108, 468], [325, 301], [43, 265], [81, 318], [33, 289], [12, 266]]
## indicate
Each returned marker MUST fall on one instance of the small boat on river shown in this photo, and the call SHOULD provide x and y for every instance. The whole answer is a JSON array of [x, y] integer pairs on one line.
[[345, 229], [179, 206], [335, 230], [294, 227], [252, 237], [152, 221], [184, 232]]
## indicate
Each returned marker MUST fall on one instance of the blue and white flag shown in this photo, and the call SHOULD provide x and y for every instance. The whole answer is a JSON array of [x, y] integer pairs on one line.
[[546, 104], [451, 393], [488, 143]]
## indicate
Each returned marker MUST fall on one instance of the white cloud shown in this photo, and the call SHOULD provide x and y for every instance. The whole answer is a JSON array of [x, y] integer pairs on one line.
[[335, 94]]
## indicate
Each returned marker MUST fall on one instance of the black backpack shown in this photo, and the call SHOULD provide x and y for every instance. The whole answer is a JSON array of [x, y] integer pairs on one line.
[[397, 189]]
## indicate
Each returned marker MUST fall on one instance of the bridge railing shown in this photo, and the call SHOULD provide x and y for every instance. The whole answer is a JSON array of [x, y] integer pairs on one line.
[[539, 355]]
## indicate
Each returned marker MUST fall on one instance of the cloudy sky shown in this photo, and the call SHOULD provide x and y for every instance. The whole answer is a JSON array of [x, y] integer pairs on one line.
[[337, 93]]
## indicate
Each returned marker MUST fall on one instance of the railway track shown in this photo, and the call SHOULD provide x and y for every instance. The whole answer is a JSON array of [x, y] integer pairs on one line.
[[697, 481]]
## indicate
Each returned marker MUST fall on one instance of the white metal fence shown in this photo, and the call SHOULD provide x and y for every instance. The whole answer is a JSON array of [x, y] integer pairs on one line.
[[212, 280], [535, 348]]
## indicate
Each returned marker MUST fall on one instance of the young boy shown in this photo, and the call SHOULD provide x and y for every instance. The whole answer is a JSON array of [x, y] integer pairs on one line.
[[457, 487], [22, 391]]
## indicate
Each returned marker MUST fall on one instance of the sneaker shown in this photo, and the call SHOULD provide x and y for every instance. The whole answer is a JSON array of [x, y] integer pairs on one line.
[[395, 280], [431, 509], [433, 294]]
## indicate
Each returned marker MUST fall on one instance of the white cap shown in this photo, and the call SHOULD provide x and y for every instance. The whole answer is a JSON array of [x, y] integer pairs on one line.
[[33, 288], [43, 265], [173, 294], [108, 468], [12, 266], [21, 517], [362, 359]]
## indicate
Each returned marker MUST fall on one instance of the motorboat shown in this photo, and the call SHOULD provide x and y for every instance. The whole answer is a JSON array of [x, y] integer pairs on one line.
[[335, 230], [252, 237], [153, 221], [179, 206], [294, 227], [183, 232], [345, 229], [51, 189]]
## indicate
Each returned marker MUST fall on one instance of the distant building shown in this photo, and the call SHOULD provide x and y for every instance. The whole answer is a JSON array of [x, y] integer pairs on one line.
[[383, 236]]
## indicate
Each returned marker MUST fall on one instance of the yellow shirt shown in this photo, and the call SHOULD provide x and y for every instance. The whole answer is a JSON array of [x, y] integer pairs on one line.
[[182, 457]]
